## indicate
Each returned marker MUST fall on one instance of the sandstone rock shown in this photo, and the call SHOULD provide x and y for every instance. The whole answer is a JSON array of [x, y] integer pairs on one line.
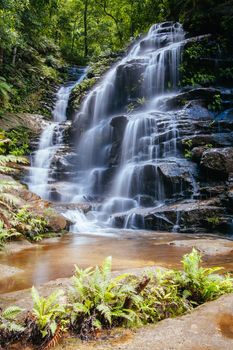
[[218, 162], [206, 246], [8, 271]]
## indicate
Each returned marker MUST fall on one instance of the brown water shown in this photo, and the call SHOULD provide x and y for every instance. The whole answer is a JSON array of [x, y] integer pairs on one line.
[[57, 257]]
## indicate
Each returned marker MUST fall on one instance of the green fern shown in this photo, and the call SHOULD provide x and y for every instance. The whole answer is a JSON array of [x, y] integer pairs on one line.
[[6, 235], [7, 319], [48, 311]]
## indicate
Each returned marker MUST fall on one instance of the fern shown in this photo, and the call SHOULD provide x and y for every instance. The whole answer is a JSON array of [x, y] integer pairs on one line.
[[7, 319], [4, 160], [47, 312]]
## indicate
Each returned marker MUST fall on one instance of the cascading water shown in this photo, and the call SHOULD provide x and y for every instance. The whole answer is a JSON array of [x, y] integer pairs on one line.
[[51, 140], [127, 135]]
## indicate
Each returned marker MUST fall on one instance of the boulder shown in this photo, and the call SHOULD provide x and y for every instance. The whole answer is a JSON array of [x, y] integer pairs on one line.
[[217, 162]]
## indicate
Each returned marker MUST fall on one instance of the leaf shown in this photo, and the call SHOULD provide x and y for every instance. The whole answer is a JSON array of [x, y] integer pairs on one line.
[[53, 327], [106, 311], [11, 312]]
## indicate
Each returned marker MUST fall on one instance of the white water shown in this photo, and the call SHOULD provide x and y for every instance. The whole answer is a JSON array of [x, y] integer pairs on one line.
[[50, 141], [120, 163], [148, 74]]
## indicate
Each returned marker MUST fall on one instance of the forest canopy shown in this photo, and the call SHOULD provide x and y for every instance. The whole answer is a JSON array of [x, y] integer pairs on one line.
[[39, 37], [82, 28]]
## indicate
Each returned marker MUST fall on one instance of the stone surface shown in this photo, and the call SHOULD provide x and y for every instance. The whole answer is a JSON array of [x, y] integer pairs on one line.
[[218, 161], [207, 246], [25, 198], [209, 327], [8, 271], [186, 216]]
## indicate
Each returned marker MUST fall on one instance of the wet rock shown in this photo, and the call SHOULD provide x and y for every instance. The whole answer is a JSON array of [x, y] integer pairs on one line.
[[177, 178], [213, 191], [218, 162], [33, 122], [127, 86], [118, 124], [211, 140], [203, 95], [62, 207], [187, 216], [197, 153]]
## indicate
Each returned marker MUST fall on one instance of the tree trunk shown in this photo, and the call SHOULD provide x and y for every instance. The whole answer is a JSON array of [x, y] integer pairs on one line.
[[85, 28], [1, 56], [14, 55]]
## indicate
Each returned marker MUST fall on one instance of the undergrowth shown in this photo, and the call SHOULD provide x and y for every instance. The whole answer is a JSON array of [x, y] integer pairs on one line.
[[96, 301]]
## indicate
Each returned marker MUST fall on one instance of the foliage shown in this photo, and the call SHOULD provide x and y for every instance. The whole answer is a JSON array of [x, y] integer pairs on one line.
[[5, 235], [216, 104], [47, 311], [10, 329], [7, 319], [201, 284], [97, 300], [5, 89], [15, 142], [33, 227], [213, 221], [8, 162], [188, 148]]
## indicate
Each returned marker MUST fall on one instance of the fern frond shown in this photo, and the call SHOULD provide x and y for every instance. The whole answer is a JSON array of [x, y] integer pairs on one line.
[[11, 312], [10, 199], [4, 160], [105, 311], [107, 267]]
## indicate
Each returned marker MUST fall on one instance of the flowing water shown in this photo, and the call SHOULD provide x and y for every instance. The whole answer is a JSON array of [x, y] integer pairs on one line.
[[51, 141], [128, 137]]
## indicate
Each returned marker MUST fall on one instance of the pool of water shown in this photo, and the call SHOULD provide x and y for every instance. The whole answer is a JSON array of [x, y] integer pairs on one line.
[[55, 258]]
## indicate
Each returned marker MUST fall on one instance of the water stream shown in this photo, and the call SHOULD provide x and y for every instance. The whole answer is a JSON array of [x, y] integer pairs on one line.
[[125, 142], [51, 140], [127, 134]]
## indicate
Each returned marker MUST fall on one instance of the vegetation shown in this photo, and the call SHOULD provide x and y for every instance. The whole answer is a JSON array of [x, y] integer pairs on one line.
[[98, 301], [39, 37], [188, 145]]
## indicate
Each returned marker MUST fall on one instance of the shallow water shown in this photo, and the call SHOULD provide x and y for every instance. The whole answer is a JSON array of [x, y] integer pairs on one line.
[[56, 258]]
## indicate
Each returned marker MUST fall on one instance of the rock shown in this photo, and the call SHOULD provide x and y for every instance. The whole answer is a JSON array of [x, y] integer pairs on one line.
[[35, 204], [56, 222], [217, 162], [9, 271], [186, 216], [197, 153], [206, 246], [17, 246], [211, 140], [203, 95], [62, 207], [33, 122]]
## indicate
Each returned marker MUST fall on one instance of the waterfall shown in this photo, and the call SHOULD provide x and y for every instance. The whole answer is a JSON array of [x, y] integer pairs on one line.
[[126, 135], [50, 141]]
